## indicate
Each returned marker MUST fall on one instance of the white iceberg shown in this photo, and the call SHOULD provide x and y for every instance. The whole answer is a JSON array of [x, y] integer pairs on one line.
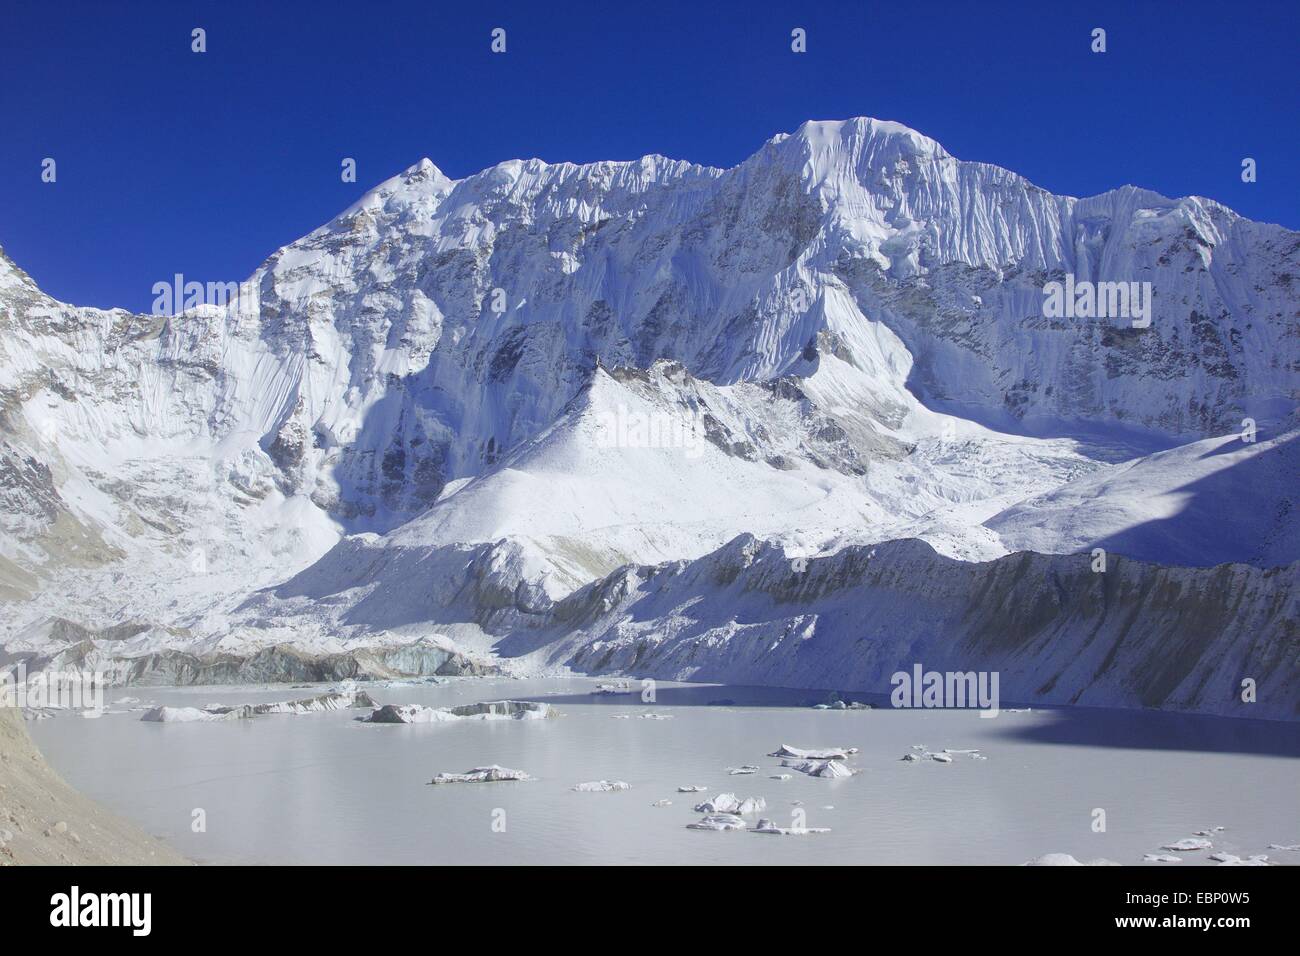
[[767, 826], [819, 768], [730, 803], [1065, 859], [1190, 843], [718, 821], [189, 715], [602, 786], [489, 710], [490, 774], [825, 753], [336, 700], [1161, 858], [1231, 859]]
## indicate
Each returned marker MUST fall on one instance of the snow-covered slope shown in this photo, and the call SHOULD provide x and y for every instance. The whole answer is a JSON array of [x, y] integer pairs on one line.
[[563, 369], [1211, 502]]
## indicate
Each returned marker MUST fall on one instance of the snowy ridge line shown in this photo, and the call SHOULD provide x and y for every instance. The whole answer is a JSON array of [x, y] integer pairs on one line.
[[460, 404]]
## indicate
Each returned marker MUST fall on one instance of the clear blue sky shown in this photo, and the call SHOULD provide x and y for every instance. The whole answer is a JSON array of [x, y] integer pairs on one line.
[[170, 161]]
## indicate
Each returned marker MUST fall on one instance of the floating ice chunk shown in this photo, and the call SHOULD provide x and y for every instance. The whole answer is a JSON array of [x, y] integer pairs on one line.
[[1054, 859], [782, 776], [1231, 859], [730, 803], [602, 786], [1294, 847], [737, 771], [718, 821], [691, 788], [941, 758], [662, 803], [961, 753], [1065, 859], [826, 753], [490, 774], [767, 826], [819, 768], [912, 758], [490, 710], [189, 715], [617, 687], [1161, 858], [1189, 843], [338, 700]]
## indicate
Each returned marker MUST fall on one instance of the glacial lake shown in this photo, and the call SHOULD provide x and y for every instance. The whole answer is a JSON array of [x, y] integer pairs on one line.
[[327, 789]]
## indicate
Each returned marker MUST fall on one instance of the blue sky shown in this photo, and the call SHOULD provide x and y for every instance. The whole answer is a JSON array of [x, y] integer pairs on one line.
[[171, 161]]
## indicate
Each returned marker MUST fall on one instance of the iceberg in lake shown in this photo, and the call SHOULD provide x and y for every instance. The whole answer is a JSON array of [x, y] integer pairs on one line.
[[825, 753], [819, 768], [718, 821], [491, 710], [730, 803], [491, 774], [767, 826]]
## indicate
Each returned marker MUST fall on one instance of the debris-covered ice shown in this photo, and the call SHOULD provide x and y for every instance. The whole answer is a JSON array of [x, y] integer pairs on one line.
[[490, 774]]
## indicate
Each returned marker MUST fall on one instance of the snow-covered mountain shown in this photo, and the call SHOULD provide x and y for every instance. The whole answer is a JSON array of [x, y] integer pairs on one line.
[[542, 373]]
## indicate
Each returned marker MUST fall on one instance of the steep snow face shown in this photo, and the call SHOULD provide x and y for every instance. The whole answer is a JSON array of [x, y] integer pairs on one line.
[[851, 319]]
